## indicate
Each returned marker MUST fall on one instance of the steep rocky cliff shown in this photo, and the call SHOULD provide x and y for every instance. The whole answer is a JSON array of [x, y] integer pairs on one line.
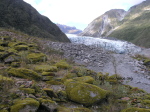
[[104, 24], [69, 29], [20, 15]]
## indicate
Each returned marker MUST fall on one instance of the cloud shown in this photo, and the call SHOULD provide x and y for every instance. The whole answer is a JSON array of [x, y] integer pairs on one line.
[[78, 11]]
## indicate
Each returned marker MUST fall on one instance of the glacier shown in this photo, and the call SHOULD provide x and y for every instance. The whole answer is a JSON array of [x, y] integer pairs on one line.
[[117, 46]]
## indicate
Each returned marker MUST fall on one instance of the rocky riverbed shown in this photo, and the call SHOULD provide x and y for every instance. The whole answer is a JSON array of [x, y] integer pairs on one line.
[[101, 60]]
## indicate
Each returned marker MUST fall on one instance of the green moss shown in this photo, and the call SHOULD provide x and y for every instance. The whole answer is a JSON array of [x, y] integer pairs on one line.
[[85, 79], [23, 73], [62, 95], [84, 93], [64, 109], [21, 47], [45, 68], [3, 110], [50, 92], [5, 38], [21, 104], [2, 49], [28, 90], [48, 74], [136, 110], [11, 50], [53, 82], [36, 57], [62, 64], [2, 78], [15, 64]]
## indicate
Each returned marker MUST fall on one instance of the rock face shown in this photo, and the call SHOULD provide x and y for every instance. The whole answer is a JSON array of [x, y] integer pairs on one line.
[[68, 29], [20, 15], [105, 24]]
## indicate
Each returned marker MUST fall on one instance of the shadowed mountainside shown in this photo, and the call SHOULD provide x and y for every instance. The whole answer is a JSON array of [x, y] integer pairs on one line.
[[22, 16]]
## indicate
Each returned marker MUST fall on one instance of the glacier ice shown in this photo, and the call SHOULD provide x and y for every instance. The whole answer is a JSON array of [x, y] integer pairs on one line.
[[118, 46]]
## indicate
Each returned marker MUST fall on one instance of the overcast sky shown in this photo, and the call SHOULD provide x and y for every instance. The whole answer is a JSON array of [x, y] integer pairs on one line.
[[78, 13]]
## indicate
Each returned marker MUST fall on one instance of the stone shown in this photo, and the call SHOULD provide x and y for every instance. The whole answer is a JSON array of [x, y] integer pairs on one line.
[[134, 109], [26, 105], [84, 93]]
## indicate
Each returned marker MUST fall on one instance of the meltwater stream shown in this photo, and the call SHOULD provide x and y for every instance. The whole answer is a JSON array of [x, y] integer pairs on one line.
[[118, 46]]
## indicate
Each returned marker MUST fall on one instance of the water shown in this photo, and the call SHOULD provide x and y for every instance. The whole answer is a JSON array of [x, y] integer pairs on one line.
[[118, 46]]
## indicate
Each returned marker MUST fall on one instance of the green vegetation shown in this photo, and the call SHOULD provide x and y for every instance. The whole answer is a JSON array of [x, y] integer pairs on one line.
[[57, 84]]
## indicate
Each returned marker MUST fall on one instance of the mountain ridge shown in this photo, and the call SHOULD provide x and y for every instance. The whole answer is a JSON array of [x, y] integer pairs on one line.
[[68, 29]]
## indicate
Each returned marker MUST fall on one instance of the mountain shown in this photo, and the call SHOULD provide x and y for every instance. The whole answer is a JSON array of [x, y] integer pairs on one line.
[[68, 29], [136, 25], [104, 24], [132, 26], [20, 15]]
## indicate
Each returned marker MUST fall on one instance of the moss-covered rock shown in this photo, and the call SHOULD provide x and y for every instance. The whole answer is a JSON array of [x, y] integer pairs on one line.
[[5, 80], [62, 64], [48, 105], [36, 57], [24, 73], [136, 110], [26, 105], [64, 109], [5, 38], [85, 79], [3, 110], [2, 49], [28, 90], [45, 68], [11, 50], [15, 64], [54, 82], [12, 58], [147, 62], [50, 93], [21, 47], [48, 74], [84, 93]]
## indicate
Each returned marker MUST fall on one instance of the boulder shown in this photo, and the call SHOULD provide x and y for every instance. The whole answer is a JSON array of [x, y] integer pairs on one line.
[[45, 68], [64, 109], [26, 105], [84, 93], [85, 79], [136, 110], [24, 73], [36, 57]]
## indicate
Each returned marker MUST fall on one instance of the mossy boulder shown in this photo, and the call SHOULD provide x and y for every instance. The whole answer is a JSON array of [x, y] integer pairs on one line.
[[28, 90], [3, 110], [36, 57], [147, 62], [21, 47], [2, 49], [84, 93], [50, 93], [136, 110], [26, 105], [12, 58], [12, 50], [64, 109], [48, 74], [62, 95], [85, 79], [45, 68], [24, 73], [4, 81], [48, 105], [62, 64]]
